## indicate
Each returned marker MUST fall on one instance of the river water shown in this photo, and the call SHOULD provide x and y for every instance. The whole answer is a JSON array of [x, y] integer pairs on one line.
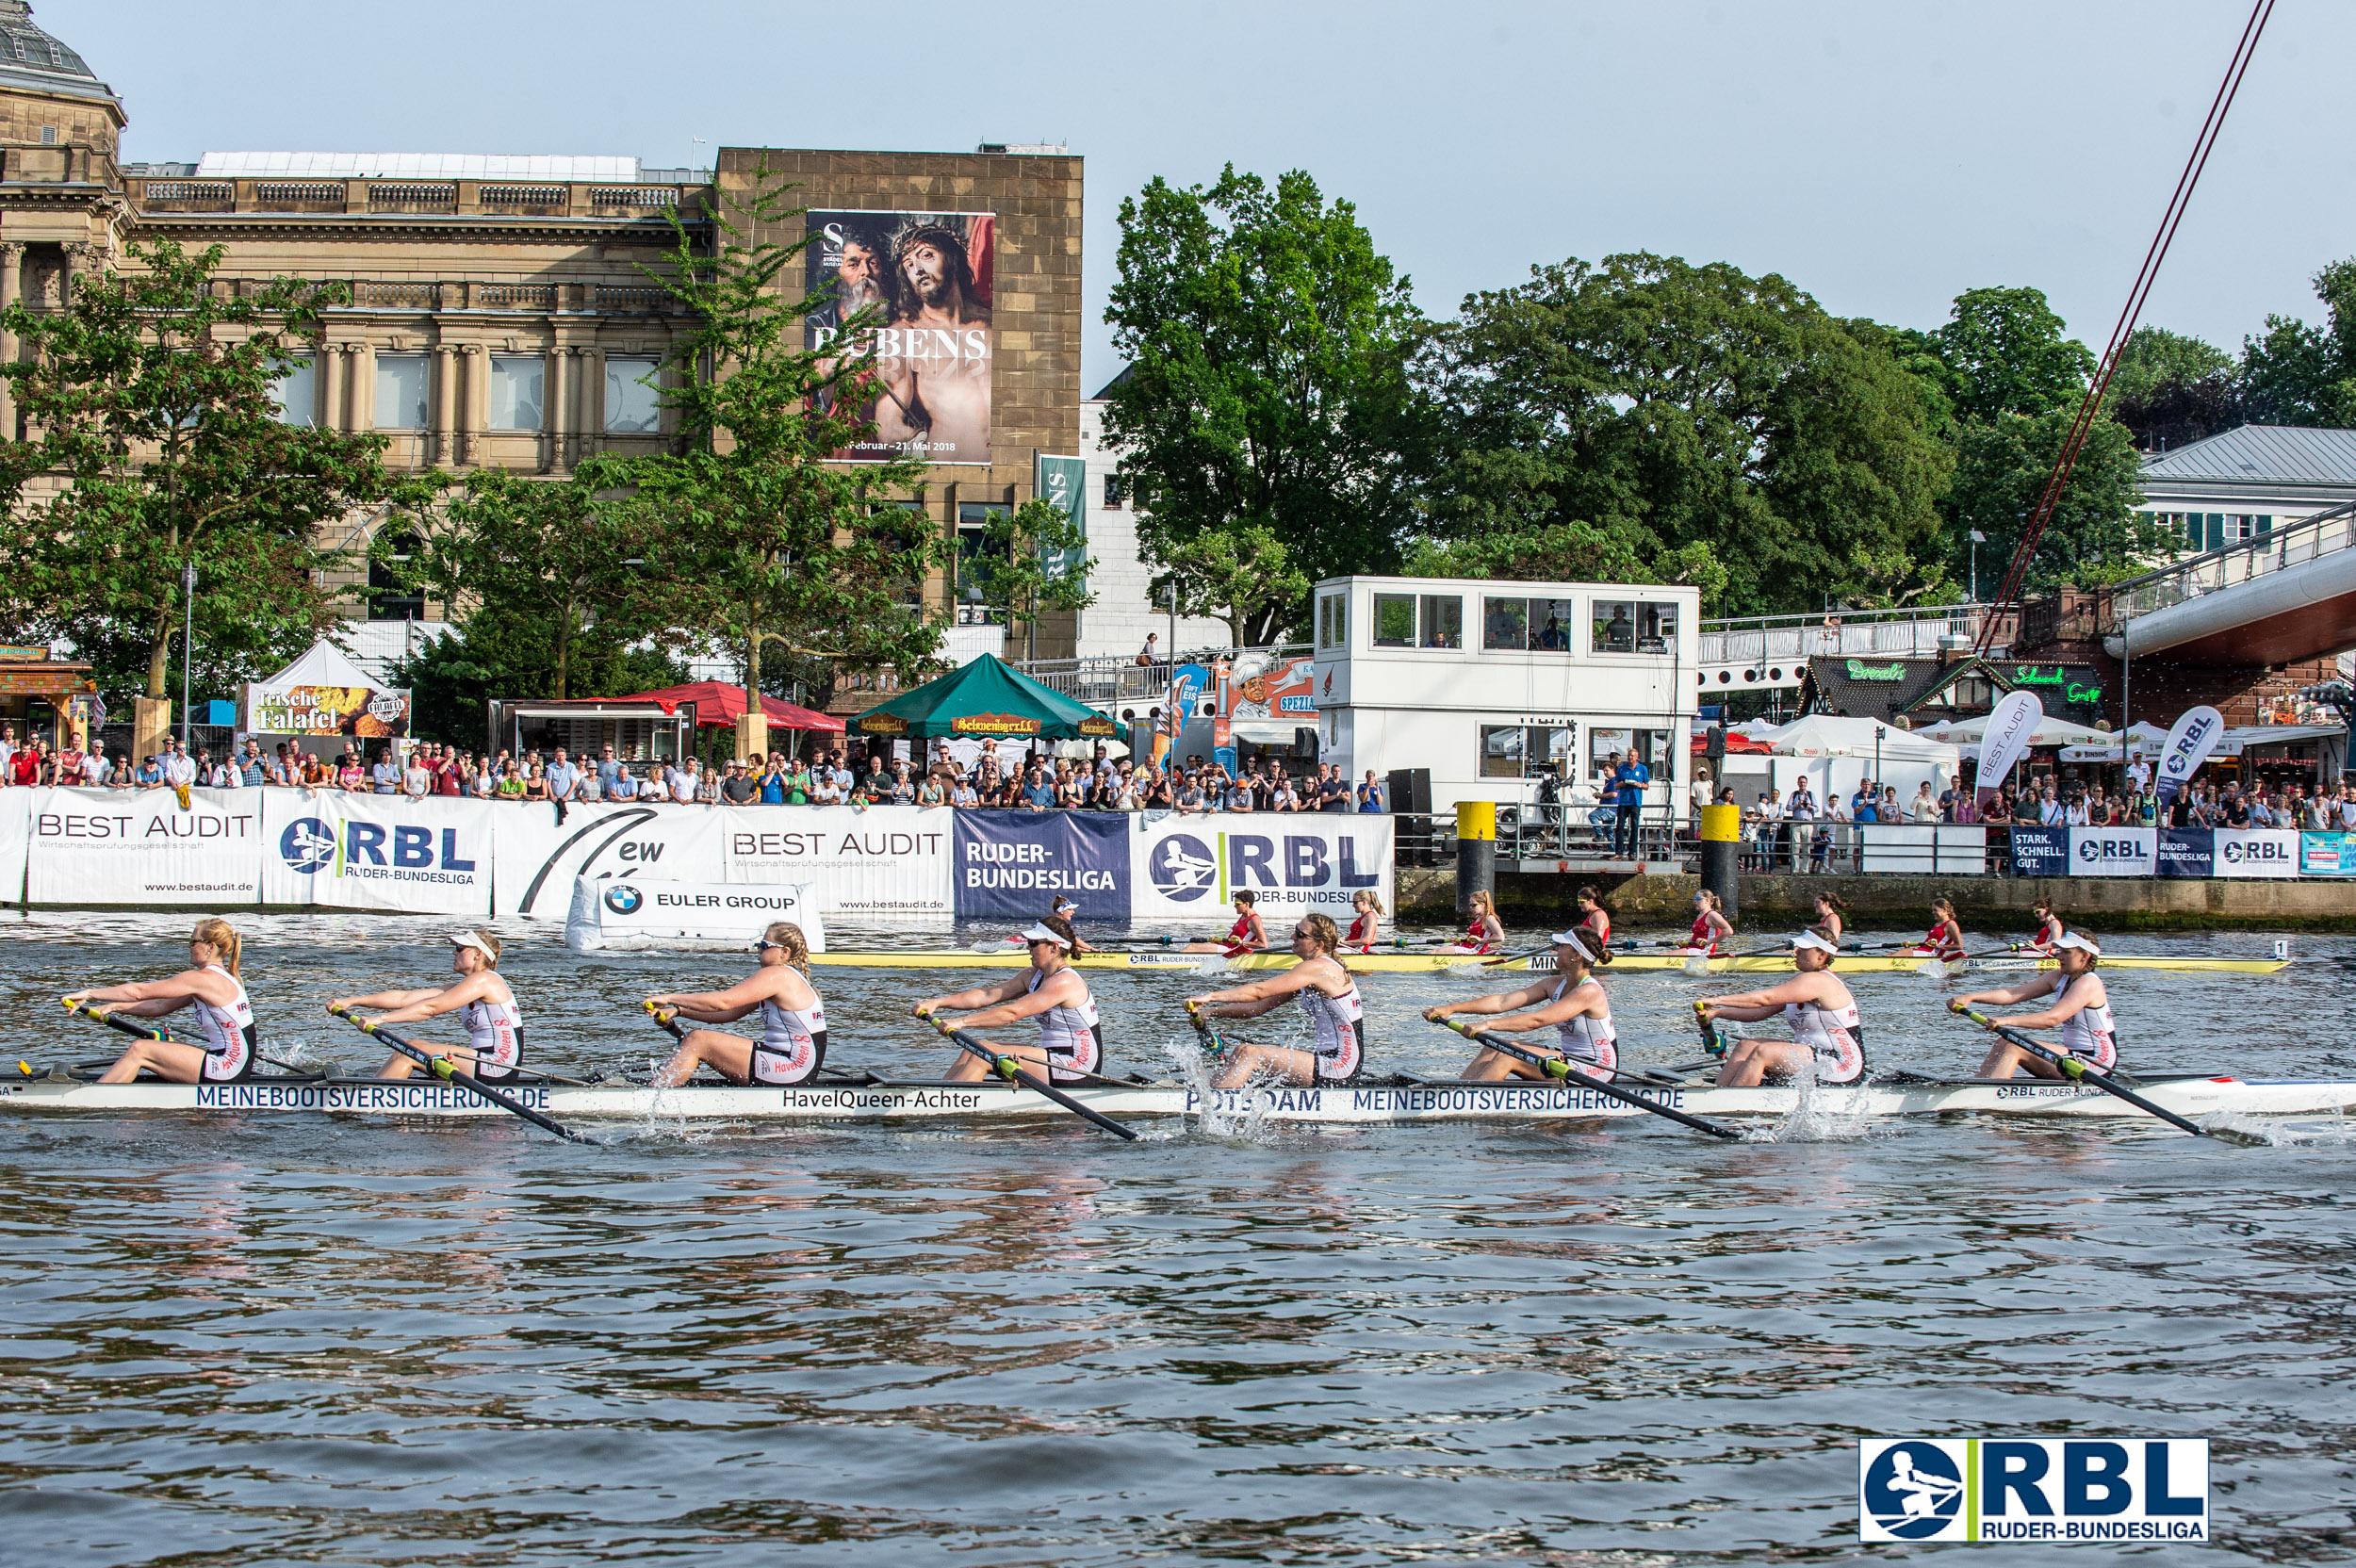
[[298, 1340]]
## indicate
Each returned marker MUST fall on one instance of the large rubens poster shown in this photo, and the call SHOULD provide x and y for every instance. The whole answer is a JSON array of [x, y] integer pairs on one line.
[[918, 287]]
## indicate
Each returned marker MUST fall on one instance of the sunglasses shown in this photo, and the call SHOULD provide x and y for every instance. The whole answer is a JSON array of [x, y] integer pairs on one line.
[[765, 947]]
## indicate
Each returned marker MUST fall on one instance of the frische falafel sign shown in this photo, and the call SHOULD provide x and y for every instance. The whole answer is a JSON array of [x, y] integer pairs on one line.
[[910, 292]]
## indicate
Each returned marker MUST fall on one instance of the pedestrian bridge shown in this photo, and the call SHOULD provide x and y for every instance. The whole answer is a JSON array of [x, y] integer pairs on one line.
[[2275, 599], [1757, 653]]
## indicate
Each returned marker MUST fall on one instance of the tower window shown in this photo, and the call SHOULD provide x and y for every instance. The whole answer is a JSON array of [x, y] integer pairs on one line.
[[49, 136]]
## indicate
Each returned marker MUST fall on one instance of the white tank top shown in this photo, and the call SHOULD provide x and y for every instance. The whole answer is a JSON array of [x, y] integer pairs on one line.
[[496, 1031], [1586, 1037], [1835, 1035], [230, 1037], [1337, 1029], [792, 1041], [2088, 1032], [1069, 1029]]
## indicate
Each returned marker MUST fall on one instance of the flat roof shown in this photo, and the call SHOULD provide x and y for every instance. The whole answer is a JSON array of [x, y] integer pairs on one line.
[[1504, 586], [415, 166]]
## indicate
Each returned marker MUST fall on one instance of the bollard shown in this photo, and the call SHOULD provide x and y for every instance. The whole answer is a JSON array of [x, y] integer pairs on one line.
[[1476, 853], [1721, 854]]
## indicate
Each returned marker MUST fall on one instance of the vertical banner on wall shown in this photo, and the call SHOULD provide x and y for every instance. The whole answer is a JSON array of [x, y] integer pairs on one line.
[[16, 827], [2039, 851], [2002, 741], [1189, 867], [1013, 865], [539, 855], [1062, 483], [890, 862], [104, 846], [2195, 735], [430, 857], [909, 293]]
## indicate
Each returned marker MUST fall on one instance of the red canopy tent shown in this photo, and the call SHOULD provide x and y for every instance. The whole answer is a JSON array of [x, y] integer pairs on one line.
[[1737, 745], [720, 704]]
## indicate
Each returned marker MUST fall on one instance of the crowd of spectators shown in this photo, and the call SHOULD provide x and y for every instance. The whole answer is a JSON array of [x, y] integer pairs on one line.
[[852, 775]]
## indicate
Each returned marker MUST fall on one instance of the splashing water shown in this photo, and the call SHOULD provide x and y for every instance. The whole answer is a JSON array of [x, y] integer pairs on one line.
[[1196, 1070], [1819, 1114]]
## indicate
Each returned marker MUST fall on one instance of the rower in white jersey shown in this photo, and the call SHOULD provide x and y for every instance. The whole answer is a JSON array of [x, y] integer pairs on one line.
[[1572, 1004], [494, 1051], [1326, 992], [793, 1043], [1070, 1045], [210, 986], [2081, 1011], [1827, 1036]]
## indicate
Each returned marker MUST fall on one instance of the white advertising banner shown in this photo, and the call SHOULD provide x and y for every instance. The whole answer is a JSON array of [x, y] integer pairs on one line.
[[1190, 867], [539, 855], [2256, 852], [328, 847], [116, 846], [1929, 849], [887, 862], [2117, 851], [628, 913], [16, 827]]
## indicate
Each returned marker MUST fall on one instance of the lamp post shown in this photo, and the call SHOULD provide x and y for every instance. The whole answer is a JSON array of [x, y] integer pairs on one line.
[[188, 645], [1978, 540], [1170, 595]]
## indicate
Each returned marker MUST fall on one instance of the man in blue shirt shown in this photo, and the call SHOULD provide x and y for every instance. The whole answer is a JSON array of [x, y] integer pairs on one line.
[[1861, 804], [1631, 776], [1040, 791]]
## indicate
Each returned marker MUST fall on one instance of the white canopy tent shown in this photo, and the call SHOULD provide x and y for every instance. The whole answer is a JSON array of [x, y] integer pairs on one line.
[[2050, 731], [1837, 755], [322, 694]]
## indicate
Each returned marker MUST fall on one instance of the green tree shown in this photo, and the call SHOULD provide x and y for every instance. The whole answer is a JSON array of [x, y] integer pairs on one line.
[[1572, 553], [558, 555], [1027, 563], [2297, 374], [2170, 389], [2005, 351], [1266, 394], [766, 541], [1667, 406], [512, 654], [2155, 357], [156, 441], [1242, 574]]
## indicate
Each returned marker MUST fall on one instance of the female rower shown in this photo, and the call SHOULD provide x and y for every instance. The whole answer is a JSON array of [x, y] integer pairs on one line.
[[1070, 1037], [793, 1043], [1595, 920], [1365, 927], [2050, 929], [1573, 1004], [1248, 935], [1338, 1028], [1711, 925], [2081, 1008], [1946, 934], [1065, 909], [1486, 934], [495, 1025], [1828, 922], [210, 985], [1826, 1036]]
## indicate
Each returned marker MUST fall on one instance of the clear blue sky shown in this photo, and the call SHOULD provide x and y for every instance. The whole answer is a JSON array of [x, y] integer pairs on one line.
[[1883, 156]]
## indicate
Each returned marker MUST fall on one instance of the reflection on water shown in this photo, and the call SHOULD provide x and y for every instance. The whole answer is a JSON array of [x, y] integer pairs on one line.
[[286, 1340]]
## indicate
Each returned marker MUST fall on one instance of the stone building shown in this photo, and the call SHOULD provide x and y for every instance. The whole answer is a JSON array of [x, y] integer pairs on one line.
[[499, 315]]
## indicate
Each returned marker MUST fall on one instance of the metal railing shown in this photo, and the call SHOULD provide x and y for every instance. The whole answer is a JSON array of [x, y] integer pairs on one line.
[[1119, 680], [1908, 632], [2227, 566]]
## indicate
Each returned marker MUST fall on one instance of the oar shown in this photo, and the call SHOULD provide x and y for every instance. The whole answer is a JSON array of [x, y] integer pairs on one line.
[[2072, 1068], [1709, 1031], [440, 1066], [1212, 1043], [149, 1032], [1556, 1067], [1007, 1067]]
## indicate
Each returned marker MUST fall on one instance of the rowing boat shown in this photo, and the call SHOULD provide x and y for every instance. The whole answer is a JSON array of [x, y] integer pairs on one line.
[[1543, 963], [1407, 1099]]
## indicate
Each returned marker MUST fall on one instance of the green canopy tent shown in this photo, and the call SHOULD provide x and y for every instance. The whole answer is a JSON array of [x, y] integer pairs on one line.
[[985, 698]]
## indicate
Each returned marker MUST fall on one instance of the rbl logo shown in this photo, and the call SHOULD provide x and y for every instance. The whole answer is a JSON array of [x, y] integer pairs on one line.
[[2256, 852], [308, 846]]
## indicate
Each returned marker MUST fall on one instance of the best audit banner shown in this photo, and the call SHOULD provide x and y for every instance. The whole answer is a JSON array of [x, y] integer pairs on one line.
[[1015, 864], [430, 857], [112, 846], [1183, 867], [888, 861]]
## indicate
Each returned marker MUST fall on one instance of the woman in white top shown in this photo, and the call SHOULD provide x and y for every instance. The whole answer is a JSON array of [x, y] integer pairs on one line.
[[655, 789], [1071, 1043], [485, 783], [494, 1051], [1923, 807], [1827, 1036], [793, 1043], [2080, 1010], [1572, 1004], [210, 985], [1327, 994]]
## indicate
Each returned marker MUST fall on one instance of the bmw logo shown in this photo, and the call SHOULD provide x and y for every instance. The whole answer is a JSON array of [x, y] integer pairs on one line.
[[623, 899]]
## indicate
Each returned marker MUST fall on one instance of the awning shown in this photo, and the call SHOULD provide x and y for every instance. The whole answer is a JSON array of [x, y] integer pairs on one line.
[[722, 703], [1271, 732], [984, 698]]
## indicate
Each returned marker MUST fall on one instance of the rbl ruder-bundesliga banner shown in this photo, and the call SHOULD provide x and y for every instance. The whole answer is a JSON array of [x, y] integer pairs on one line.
[[1015, 864], [1183, 867], [2056, 1491], [430, 857], [115, 846], [907, 296]]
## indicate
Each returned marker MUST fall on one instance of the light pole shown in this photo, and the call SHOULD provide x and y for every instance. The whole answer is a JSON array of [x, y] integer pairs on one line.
[[188, 645], [1978, 540], [1170, 594]]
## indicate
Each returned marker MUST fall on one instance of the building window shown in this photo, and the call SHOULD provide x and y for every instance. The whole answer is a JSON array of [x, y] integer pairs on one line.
[[974, 547], [1112, 492], [633, 404], [1395, 620], [1332, 621], [1443, 621], [49, 136], [400, 392], [1524, 751], [516, 391], [389, 598], [296, 393], [1504, 623], [1631, 626]]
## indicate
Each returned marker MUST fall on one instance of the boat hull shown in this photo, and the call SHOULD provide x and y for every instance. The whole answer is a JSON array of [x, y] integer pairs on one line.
[[1440, 963], [1416, 1101]]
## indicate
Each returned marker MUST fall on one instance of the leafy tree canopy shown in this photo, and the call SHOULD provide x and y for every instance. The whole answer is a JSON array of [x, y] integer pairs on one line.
[[514, 654]]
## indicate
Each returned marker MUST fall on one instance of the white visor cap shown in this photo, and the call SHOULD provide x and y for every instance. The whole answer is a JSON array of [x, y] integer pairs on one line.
[[1040, 933], [469, 938], [1579, 941], [2071, 939], [1809, 938]]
